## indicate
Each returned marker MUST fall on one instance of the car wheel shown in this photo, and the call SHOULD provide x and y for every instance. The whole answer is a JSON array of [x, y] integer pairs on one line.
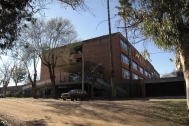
[[72, 98], [64, 99]]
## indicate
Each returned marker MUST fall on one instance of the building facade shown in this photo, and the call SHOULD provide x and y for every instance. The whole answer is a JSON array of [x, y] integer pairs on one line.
[[128, 62]]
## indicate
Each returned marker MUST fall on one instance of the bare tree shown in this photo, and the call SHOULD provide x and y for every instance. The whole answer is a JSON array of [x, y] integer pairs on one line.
[[44, 41], [27, 50], [6, 71], [58, 32], [29, 57]]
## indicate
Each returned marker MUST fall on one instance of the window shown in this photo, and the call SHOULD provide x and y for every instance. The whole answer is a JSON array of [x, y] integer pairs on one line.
[[79, 60], [149, 75], [135, 76], [124, 58], [141, 69], [134, 65], [152, 74], [125, 74], [157, 75], [123, 44], [146, 73], [76, 49], [141, 78]]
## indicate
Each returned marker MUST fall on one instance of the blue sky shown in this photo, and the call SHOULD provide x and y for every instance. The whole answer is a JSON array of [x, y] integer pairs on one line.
[[87, 25]]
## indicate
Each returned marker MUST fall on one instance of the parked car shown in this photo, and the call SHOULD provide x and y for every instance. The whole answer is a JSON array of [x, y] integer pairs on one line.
[[1, 96], [74, 94]]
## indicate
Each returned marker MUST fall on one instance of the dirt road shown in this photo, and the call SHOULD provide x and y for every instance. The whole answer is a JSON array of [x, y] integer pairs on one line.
[[50, 112]]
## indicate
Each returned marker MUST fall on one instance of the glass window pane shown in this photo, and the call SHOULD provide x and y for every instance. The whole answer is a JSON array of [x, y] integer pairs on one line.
[[135, 76], [141, 70], [123, 44], [134, 65], [124, 58], [146, 73], [125, 74]]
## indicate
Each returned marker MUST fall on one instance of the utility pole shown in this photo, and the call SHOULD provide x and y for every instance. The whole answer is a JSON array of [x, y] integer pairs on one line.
[[129, 55], [130, 60], [130, 67], [114, 94], [82, 70]]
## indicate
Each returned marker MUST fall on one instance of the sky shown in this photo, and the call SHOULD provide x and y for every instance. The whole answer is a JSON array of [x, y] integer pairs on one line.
[[93, 24]]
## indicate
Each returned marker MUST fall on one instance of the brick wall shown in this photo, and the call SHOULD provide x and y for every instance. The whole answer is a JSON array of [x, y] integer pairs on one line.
[[97, 50]]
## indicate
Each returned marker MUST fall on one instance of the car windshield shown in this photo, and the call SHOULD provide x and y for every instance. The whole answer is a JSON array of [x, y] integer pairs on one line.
[[77, 91], [72, 91]]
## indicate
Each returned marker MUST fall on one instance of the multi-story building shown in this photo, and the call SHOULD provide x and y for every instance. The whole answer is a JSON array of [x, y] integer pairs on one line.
[[127, 61]]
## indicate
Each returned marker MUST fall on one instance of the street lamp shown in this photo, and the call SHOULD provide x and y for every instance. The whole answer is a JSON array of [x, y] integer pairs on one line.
[[82, 70]]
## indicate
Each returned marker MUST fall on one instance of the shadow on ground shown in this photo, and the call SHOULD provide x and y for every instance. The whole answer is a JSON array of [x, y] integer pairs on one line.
[[35, 123]]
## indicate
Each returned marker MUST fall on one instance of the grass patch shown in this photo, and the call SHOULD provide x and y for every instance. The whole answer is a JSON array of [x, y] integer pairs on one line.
[[174, 111]]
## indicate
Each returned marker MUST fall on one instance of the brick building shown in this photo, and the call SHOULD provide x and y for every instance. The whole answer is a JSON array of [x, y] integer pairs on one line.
[[96, 50]]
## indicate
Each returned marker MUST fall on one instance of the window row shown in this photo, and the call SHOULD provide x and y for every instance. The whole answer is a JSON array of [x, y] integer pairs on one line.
[[126, 75], [134, 65], [125, 59]]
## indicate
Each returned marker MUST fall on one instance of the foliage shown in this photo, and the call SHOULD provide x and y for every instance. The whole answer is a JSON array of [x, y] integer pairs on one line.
[[164, 22], [8, 94], [14, 13], [96, 71], [19, 74], [18, 94]]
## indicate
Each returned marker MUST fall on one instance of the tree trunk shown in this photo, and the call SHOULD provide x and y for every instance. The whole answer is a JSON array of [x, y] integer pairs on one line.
[[33, 85], [184, 58], [53, 89], [4, 90], [52, 77], [114, 94], [92, 90], [34, 90]]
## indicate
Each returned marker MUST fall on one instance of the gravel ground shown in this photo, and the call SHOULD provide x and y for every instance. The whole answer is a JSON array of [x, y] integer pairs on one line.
[[50, 112]]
